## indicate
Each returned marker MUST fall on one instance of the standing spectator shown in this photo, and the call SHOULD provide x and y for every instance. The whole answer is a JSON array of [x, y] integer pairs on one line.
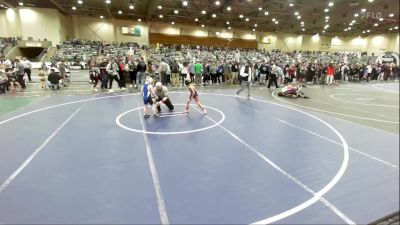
[[20, 72], [112, 70], [198, 70], [62, 68], [121, 73], [235, 71], [330, 72], [227, 73], [184, 73], [345, 72], [141, 73], [27, 68], [274, 74], [163, 71], [175, 73], [245, 79]]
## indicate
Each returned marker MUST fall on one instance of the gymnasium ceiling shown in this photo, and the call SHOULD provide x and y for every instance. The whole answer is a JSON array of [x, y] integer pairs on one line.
[[379, 16]]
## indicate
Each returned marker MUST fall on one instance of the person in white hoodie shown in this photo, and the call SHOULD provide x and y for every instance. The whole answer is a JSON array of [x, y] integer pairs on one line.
[[245, 78]]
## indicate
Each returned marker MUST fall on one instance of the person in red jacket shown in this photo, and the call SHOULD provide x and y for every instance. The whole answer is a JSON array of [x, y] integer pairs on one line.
[[330, 72]]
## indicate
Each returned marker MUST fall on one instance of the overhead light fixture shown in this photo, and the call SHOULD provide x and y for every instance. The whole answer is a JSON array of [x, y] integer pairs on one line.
[[227, 22], [296, 13], [363, 32], [108, 1], [291, 4], [327, 17], [303, 29], [298, 17], [159, 7], [229, 28], [302, 22], [302, 25], [396, 27], [119, 12], [131, 7], [273, 19], [185, 3], [363, 10], [391, 15], [345, 29], [356, 15], [326, 21], [390, 28], [229, 8], [254, 30], [259, 9], [73, 8], [247, 19], [330, 4], [139, 20], [326, 10], [353, 21], [240, 16], [214, 15], [161, 16], [202, 25], [21, 3], [101, 17], [217, 33], [370, 0], [381, 19], [255, 25], [349, 28], [203, 12], [80, 2], [266, 13], [375, 25], [172, 22], [176, 11], [276, 22], [323, 31], [217, 3], [196, 19], [368, 31]]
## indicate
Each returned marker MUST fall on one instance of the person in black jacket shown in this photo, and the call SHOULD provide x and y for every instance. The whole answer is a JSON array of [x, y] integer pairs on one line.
[[141, 72], [54, 80]]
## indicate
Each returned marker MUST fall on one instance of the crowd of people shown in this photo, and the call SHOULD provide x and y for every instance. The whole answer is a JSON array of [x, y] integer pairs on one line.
[[207, 66]]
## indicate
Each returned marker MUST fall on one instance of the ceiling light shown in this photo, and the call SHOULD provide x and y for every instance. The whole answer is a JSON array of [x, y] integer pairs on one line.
[[255, 25], [345, 29], [172, 22], [213, 15], [363, 32], [350, 24], [108, 1], [254, 30], [229, 28], [303, 29], [73, 8], [259, 9], [101, 17], [276, 22], [390, 28], [349, 28], [370, 0], [380, 19], [291, 4], [368, 31], [21, 3], [203, 12], [327, 17], [298, 17], [227, 22], [161, 16], [273, 19], [217, 33], [240, 16], [176, 11], [266, 13], [247, 19], [326, 21], [119, 12], [131, 7], [323, 31], [391, 15], [184, 3], [353, 21], [302, 22], [330, 4], [356, 15], [375, 25], [217, 3], [80, 2], [229, 8], [396, 27], [326, 10], [296, 13], [159, 7], [196, 19], [302, 25], [363, 10], [202, 25], [139, 20]]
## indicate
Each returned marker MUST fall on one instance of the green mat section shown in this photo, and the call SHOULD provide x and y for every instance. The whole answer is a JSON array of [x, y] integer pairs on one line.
[[11, 104]]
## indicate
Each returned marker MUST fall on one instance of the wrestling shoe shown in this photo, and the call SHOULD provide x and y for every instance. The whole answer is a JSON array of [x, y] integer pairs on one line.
[[146, 116]]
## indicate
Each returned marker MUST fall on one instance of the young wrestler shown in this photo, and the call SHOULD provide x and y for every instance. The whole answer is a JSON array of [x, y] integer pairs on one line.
[[146, 91], [193, 95]]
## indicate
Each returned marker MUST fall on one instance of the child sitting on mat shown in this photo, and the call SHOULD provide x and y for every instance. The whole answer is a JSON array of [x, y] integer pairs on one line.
[[193, 95], [147, 94]]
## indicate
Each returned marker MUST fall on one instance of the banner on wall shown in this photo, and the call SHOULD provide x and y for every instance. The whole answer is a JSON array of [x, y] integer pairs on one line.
[[265, 40], [388, 57], [134, 31], [33, 44]]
